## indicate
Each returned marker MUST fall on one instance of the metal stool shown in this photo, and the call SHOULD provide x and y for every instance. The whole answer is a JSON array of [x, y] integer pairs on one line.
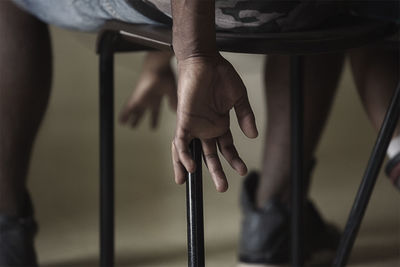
[[352, 33]]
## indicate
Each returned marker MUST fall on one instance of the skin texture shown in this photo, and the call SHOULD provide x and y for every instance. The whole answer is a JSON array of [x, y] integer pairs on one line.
[[157, 80], [208, 88], [193, 28], [207, 91]]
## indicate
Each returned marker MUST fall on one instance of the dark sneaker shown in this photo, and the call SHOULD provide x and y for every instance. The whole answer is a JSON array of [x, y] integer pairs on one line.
[[265, 233], [393, 170], [17, 239]]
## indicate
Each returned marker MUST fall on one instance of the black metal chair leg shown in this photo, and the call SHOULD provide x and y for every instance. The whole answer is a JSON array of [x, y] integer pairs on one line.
[[296, 76], [107, 150], [368, 181], [194, 202]]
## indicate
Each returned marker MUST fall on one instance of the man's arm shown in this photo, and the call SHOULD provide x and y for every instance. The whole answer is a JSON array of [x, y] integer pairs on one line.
[[208, 88], [193, 28]]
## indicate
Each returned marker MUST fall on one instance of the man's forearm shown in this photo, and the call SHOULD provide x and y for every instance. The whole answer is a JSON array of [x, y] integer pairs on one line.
[[193, 28]]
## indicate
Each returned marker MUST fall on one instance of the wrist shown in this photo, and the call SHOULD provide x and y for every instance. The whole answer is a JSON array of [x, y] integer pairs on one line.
[[189, 45], [194, 46], [199, 59], [196, 53]]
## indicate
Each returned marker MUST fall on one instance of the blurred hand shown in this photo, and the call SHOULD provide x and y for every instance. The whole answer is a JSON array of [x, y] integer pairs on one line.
[[148, 94], [208, 88]]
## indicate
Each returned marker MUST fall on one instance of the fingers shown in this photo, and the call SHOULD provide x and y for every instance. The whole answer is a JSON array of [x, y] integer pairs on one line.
[[181, 145], [245, 117], [228, 150], [214, 164], [125, 113], [136, 117], [179, 170], [155, 114], [131, 113]]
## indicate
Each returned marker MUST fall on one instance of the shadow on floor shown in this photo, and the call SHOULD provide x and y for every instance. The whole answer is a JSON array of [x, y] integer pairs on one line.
[[130, 258], [368, 254], [374, 249], [371, 255], [364, 254]]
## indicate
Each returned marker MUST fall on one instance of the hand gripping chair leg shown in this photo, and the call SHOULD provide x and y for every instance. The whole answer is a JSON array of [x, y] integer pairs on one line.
[[194, 180], [194, 192]]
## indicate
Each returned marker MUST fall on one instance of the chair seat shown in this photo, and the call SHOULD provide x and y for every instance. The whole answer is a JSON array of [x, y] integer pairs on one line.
[[350, 33]]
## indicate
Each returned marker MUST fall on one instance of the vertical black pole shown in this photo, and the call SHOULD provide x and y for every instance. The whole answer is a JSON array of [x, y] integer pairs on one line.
[[368, 181], [297, 126], [194, 202], [106, 150]]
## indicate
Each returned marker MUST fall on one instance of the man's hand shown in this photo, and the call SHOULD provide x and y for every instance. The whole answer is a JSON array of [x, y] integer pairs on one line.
[[208, 88], [156, 81]]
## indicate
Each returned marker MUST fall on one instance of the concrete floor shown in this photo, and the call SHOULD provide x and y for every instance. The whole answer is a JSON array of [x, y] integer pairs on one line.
[[151, 218]]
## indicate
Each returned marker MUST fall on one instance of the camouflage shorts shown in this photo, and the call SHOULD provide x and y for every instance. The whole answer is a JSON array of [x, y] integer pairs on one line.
[[264, 15]]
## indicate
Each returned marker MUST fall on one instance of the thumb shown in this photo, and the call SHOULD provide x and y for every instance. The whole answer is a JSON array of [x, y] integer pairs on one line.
[[245, 117]]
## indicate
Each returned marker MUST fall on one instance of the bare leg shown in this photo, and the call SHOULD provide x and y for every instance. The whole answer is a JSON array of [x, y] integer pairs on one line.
[[322, 73], [25, 77], [376, 74]]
